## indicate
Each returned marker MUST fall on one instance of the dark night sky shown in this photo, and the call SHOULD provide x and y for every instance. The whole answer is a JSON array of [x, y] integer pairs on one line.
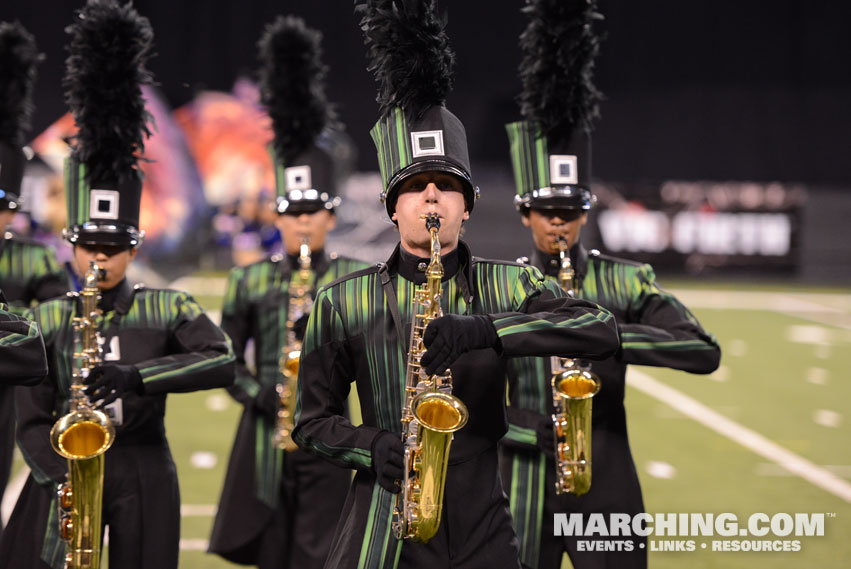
[[697, 89]]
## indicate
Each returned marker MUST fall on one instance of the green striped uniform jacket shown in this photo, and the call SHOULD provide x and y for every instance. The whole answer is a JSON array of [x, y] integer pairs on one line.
[[29, 272], [255, 309], [655, 329], [165, 334], [22, 358], [352, 336]]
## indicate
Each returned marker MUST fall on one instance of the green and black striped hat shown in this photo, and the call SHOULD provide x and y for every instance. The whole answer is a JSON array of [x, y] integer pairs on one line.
[[105, 69], [549, 178], [18, 60], [551, 148], [292, 90], [437, 141], [410, 56]]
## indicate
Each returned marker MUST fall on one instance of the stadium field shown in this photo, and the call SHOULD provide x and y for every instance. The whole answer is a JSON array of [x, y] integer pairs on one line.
[[767, 433]]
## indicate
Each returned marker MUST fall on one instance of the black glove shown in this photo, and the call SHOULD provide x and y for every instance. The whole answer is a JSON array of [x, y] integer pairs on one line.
[[266, 401], [546, 437], [110, 381], [447, 337], [388, 459]]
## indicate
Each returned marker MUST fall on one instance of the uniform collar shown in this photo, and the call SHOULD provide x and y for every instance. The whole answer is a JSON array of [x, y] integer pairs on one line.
[[319, 262], [550, 264], [119, 298], [412, 268]]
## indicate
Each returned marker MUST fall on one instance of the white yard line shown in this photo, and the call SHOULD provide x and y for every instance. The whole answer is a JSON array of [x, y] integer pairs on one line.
[[738, 433], [193, 544], [13, 489]]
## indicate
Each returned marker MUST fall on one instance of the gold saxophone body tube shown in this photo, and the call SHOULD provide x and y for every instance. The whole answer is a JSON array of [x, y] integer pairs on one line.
[[573, 391], [82, 436], [430, 416], [300, 301]]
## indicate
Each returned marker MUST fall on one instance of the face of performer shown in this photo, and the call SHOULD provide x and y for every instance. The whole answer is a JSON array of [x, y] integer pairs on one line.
[[549, 224], [114, 259], [6, 216], [296, 226], [424, 193]]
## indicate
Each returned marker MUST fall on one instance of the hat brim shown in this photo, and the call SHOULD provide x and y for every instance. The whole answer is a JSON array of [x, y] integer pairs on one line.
[[471, 193], [285, 206], [569, 197], [96, 234]]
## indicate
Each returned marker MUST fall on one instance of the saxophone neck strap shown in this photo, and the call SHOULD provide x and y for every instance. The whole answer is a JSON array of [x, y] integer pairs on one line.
[[389, 289]]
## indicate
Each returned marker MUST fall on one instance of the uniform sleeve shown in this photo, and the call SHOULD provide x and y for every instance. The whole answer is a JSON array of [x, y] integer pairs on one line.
[[324, 380], [236, 323], [50, 279], [548, 324], [34, 416], [523, 427], [201, 355], [22, 357], [660, 331]]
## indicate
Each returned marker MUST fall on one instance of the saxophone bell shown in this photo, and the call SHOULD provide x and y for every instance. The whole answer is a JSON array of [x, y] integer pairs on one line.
[[573, 390]]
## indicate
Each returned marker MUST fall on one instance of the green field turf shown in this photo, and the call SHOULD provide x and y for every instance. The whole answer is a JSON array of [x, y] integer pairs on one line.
[[784, 375]]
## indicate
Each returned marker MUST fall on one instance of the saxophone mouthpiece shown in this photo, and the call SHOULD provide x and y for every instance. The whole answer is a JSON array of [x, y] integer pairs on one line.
[[432, 221]]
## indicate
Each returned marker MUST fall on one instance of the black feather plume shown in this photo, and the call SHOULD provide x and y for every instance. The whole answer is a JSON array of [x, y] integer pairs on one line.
[[409, 53], [292, 84], [559, 46], [18, 60], [105, 69]]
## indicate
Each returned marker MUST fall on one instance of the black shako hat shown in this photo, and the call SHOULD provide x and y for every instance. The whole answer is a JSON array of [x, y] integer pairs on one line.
[[18, 60], [292, 90], [105, 69], [551, 148], [409, 53]]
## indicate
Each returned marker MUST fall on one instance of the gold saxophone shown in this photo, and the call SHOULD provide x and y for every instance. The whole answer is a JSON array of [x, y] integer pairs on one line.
[[430, 414], [573, 391], [299, 305], [82, 436]]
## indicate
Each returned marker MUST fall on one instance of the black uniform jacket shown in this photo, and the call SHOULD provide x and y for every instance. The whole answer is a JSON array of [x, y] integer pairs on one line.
[[163, 333], [22, 357], [358, 332], [655, 330]]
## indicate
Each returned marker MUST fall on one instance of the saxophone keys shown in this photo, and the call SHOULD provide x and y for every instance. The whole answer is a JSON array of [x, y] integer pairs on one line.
[[66, 528], [66, 497]]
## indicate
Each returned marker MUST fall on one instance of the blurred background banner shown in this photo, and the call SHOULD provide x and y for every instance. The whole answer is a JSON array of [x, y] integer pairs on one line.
[[701, 227]]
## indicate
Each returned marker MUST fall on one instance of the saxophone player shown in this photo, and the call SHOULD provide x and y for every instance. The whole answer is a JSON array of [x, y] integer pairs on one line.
[[29, 271], [278, 505], [358, 329], [655, 328], [153, 341]]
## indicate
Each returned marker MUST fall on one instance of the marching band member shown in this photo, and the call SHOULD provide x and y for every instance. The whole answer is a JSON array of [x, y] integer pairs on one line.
[[29, 271], [551, 156], [279, 504], [155, 341], [358, 329]]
